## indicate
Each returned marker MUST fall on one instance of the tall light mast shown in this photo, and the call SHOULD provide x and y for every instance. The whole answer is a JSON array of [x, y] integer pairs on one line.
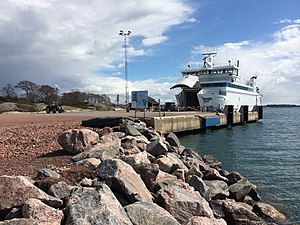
[[125, 35]]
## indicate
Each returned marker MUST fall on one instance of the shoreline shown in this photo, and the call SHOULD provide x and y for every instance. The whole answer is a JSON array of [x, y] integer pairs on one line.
[[115, 158]]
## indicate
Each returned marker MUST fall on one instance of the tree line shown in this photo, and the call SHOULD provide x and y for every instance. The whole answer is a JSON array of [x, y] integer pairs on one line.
[[33, 93]]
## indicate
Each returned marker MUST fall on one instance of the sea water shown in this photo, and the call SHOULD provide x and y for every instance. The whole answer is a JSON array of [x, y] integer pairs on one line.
[[267, 153]]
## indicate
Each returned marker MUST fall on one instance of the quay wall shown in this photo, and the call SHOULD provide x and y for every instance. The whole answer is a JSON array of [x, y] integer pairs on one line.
[[175, 123], [183, 123]]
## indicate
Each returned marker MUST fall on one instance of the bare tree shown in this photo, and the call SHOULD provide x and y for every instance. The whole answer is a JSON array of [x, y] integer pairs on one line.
[[31, 89], [74, 98], [48, 94], [8, 91]]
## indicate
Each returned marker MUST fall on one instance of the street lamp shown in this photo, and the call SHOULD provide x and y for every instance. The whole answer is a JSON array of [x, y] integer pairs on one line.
[[122, 33]]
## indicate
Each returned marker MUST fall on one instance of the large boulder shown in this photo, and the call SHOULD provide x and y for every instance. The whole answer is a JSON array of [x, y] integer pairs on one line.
[[35, 209], [191, 158], [124, 179], [163, 180], [183, 204], [166, 164], [146, 213], [107, 148], [218, 189], [180, 174], [128, 142], [16, 190], [105, 130], [267, 210], [135, 159], [60, 190], [173, 140], [170, 162], [151, 134], [234, 177], [129, 130], [157, 147], [148, 173], [217, 207], [141, 126], [213, 174], [191, 162], [95, 206], [78, 140], [212, 161], [240, 189], [89, 162], [194, 171], [177, 161], [42, 173], [237, 213], [201, 220], [200, 186]]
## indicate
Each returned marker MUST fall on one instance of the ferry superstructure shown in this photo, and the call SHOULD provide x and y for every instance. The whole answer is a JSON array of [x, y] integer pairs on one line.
[[212, 88]]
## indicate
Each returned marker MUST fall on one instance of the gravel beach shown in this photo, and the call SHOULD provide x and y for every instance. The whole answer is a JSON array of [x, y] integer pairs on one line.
[[28, 142]]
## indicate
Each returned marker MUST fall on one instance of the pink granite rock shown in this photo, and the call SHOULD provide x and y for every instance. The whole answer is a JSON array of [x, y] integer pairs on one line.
[[95, 206], [125, 179], [16, 190], [267, 210], [183, 204], [78, 140], [107, 148], [200, 220], [35, 209], [237, 213]]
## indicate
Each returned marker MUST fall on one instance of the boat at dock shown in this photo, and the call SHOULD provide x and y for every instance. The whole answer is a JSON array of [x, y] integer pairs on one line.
[[213, 88]]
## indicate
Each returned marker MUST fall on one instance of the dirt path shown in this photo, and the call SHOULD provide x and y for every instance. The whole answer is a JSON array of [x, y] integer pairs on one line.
[[28, 142]]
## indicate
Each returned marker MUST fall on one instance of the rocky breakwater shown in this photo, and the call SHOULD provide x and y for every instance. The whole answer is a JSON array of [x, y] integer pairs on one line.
[[131, 174]]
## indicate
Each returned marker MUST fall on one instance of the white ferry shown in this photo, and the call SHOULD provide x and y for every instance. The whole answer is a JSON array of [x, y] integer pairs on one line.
[[213, 88]]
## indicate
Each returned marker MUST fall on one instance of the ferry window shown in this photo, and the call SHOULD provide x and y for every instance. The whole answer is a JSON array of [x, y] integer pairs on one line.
[[222, 92], [223, 70], [209, 72]]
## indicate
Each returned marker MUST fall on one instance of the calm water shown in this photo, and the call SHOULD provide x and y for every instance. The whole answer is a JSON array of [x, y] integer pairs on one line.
[[267, 153]]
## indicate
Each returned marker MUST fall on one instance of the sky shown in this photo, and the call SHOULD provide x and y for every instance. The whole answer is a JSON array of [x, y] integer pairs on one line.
[[75, 44]]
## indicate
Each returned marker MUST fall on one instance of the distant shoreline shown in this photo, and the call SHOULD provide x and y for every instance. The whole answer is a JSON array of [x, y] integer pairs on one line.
[[281, 105]]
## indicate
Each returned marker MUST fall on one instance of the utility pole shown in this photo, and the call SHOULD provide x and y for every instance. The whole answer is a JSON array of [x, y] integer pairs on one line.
[[125, 35]]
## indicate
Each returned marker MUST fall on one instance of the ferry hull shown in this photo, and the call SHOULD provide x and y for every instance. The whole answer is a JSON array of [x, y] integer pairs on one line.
[[211, 100]]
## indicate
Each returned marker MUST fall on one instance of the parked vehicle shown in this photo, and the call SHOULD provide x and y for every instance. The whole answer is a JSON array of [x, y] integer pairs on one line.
[[53, 107]]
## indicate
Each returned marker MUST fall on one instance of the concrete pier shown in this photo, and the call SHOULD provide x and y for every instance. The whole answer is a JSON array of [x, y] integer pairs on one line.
[[166, 122], [197, 121]]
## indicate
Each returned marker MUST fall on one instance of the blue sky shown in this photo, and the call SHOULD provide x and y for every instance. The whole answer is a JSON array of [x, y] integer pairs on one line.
[[74, 44]]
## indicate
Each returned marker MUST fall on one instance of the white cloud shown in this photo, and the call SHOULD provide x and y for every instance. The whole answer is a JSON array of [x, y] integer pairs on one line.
[[73, 43], [276, 62], [288, 21], [154, 40], [192, 20], [284, 21], [236, 45]]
